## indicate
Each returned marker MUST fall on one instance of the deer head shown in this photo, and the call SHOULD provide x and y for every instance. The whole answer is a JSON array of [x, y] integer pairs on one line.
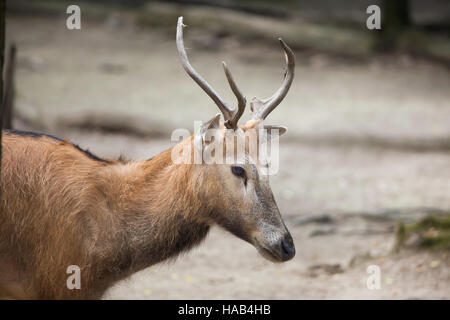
[[241, 198]]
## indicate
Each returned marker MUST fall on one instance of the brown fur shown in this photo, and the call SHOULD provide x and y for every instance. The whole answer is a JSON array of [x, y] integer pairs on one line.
[[59, 208]]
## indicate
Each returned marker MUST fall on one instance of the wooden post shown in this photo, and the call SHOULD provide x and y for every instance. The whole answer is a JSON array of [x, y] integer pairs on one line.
[[8, 85], [2, 58]]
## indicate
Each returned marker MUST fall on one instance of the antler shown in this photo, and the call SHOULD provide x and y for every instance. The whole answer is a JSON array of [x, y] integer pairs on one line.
[[231, 116], [262, 108]]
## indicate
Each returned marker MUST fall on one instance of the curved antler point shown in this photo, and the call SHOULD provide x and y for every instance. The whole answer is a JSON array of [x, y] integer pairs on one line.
[[180, 21]]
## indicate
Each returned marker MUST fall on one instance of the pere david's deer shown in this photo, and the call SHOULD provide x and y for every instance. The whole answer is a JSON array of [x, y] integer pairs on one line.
[[63, 206]]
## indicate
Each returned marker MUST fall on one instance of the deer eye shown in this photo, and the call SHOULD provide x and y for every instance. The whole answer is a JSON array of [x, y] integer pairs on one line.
[[238, 171]]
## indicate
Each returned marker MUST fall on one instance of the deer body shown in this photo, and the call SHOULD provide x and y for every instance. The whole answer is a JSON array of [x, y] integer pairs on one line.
[[62, 206], [109, 218]]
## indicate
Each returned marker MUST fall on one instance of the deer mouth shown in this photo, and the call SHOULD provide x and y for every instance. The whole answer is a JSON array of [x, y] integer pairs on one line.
[[283, 251], [270, 254]]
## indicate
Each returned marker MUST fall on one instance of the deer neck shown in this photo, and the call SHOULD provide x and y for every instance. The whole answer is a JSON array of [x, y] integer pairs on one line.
[[157, 206]]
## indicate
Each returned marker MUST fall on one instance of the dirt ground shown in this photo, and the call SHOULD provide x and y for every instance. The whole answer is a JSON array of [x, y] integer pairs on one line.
[[365, 140]]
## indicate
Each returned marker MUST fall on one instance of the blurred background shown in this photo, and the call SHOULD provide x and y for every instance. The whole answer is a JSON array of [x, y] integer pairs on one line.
[[365, 166]]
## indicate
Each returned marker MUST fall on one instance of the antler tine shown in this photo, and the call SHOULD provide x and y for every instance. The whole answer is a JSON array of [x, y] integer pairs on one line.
[[239, 96], [231, 116], [266, 106]]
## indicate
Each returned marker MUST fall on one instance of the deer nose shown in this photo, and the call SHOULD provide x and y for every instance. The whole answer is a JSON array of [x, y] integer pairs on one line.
[[287, 248]]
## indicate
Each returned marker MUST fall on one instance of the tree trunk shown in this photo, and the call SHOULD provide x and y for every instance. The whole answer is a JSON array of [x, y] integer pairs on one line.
[[396, 14], [395, 20]]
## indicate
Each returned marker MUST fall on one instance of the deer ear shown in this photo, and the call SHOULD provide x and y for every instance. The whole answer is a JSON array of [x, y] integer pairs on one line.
[[273, 131], [207, 130], [213, 123]]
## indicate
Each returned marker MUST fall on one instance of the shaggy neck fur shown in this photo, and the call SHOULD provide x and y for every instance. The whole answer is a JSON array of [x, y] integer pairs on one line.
[[150, 224], [60, 207]]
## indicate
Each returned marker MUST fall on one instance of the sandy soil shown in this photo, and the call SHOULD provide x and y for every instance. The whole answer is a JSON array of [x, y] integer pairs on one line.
[[364, 139]]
